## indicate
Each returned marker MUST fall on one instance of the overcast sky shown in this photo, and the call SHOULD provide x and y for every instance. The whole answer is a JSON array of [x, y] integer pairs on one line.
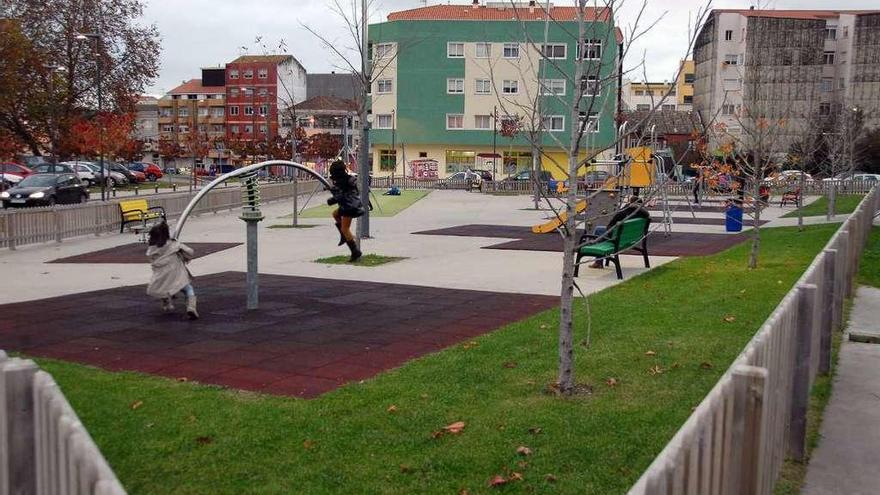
[[204, 33]]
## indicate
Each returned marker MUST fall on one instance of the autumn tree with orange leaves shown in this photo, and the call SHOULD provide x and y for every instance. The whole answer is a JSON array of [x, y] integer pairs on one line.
[[85, 138]]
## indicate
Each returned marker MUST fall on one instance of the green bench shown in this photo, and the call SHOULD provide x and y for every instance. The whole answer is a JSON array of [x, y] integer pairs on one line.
[[629, 234]]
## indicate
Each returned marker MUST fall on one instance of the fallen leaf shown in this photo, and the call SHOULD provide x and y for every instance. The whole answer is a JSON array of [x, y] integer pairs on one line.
[[454, 428], [308, 444], [650, 353], [470, 344], [463, 491], [535, 430], [705, 365], [437, 434], [675, 366], [611, 382], [423, 396], [204, 440], [405, 469], [544, 326], [655, 370], [550, 478], [498, 480], [514, 476], [392, 408], [182, 379], [730, 318], [522, 464], [523, 450], [136, 404], [150, 425], [510, 364]]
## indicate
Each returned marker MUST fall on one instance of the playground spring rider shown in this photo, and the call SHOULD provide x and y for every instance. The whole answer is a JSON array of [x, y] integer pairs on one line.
[[251, 214]]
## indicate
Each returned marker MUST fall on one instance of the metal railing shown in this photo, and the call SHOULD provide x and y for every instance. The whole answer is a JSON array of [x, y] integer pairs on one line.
[[46, 224], [736, 440], [44, 448]]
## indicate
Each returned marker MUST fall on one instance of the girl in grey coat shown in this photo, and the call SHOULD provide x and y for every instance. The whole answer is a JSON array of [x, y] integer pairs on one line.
[[168, 258]]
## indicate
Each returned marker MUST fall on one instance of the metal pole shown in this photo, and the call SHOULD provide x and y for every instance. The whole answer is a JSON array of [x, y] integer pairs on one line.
[[104, 172], [538, 146], [495, 143], [293, 159], [393, 143], [253, 285], [363, 225]]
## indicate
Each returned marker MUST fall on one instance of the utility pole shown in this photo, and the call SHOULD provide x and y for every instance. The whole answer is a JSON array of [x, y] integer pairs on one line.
[[495, 144], [393, 143], [293, 159], [363, 225], [537, 144]]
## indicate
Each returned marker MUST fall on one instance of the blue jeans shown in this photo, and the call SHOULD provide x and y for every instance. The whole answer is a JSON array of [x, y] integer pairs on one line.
[[188, 291], [598, 231]]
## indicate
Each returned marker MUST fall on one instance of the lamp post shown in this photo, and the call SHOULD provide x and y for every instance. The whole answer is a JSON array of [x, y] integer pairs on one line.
[[253, 91], [99, 76], [53, 134]]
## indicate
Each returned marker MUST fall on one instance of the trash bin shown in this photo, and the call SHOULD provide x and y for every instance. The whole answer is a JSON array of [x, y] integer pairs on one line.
[[733, 218]]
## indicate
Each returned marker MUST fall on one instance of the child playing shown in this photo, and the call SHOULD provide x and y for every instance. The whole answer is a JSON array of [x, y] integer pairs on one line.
[[345, 194], [168, 258]]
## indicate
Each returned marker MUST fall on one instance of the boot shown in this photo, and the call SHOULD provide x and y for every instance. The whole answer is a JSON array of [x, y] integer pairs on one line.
[[191, 311], [341, 237], [355, 252], [167, 305]]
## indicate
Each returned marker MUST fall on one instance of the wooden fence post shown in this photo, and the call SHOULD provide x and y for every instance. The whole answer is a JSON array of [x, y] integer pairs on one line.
[[17, 427], [56, 224], [10, 231], [800, 390], [840, 271], [828, 310], [747, 452]]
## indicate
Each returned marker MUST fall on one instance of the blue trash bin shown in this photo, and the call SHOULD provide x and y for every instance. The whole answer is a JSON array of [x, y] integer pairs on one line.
[[733, 218]]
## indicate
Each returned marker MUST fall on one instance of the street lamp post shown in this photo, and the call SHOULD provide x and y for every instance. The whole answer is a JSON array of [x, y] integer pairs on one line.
[[97, 36], [393, 143], [53, 136]]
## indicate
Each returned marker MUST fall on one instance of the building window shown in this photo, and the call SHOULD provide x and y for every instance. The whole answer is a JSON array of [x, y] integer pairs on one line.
[[382, 50], [249, 74], [264, 128], [592, 49], [728, 35], [233, 74], [731, 59], [483, 87], [264, 109], [643, 107], [183, 128], [233, 110], [248, 110], [384, 121], [510, 87], [825, 108], [482, 121], [387, 159], [827, 85], [233, 92], [263, 92], [592, 124], [668, 108], [511, 50], [249, 92], [831, 33], [455, 50], [555, 51], [689, 78], [590, 86], [455, 86], [234, 129], [248, 129], [688, 99], [384, 86], [828, 58], [165, 112], [553, 87], [483, 50], [203, 112], [167, 128], [846, 31], [728, 109], [516, 161], [841, 83], [454, 121], [459, 161], [639, 92], [263, 73], [203, 128], [183, 112], [731, 85], [554, 123], [217, 128]]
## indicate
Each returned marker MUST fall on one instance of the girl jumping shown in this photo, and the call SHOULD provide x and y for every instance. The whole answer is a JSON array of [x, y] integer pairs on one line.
[[346, 195], [168, 259]]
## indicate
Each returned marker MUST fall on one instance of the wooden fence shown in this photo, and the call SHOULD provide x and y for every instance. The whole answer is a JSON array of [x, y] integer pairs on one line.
[[736, 440], [46, 224], [44, 448]]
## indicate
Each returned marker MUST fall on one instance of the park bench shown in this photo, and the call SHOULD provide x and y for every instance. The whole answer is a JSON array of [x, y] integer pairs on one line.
[[791, 197], [629, 234], [138, 212]]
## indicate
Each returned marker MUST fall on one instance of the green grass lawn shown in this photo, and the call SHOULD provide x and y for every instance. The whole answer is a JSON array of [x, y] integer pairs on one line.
[[383, 206], [869, 268], [694, 315], [366, 260], [846, 203]]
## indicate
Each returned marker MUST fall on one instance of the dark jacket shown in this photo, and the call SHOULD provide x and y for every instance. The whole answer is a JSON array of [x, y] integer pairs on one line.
[[346, 195], [626, 213]]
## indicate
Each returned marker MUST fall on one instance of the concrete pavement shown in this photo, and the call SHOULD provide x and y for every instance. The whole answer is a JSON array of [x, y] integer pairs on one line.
[[845, 462]]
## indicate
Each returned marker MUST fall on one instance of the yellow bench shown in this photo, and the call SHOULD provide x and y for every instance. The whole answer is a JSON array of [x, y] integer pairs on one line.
[[138, 211]]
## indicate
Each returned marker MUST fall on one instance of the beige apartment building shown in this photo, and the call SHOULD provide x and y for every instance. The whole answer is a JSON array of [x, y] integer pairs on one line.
[[196, 105]]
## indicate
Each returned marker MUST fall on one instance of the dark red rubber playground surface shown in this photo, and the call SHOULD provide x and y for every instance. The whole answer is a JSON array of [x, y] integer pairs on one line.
[[676, 244], [308, 337], [136, 253]]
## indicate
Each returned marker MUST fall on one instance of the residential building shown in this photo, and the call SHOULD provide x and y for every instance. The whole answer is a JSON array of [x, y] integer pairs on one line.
[[448, 77], [146, 127], [261, 91], [684, 86], [196, 107], [644, 96], [343, 85], [787, 65], [327, 114]]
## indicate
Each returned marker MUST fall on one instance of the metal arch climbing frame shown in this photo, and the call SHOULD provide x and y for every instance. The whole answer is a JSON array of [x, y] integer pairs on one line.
[[244, 171]]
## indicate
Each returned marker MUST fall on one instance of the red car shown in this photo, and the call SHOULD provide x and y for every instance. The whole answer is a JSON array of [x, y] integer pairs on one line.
[[139, 176], [151, 171], [15, 169]]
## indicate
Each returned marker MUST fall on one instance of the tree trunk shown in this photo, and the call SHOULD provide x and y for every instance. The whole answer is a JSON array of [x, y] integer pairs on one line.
[[756, 234], [565, 378], [802, 183]]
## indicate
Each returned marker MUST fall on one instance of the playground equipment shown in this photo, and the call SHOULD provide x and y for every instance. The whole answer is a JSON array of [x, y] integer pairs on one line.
[[556, 222], [597, 210], [250, 213]]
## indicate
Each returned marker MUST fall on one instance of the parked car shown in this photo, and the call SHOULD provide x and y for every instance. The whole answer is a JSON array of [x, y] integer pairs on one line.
[[31, 161], [788, 176], [473, 179], [844, 176], [53, 168], [85, 174], [15, 169], [138, 176], [129, 175], [114, 179], [9, 180], [595, 178], [46, 190], [543, 176], [484, 174], [150, 170]]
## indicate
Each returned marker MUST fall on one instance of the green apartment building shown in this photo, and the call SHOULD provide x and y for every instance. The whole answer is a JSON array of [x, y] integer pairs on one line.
[[448, 76]]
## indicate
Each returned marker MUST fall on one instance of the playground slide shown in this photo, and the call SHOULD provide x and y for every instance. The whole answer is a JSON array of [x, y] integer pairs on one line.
[[553, 224]]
